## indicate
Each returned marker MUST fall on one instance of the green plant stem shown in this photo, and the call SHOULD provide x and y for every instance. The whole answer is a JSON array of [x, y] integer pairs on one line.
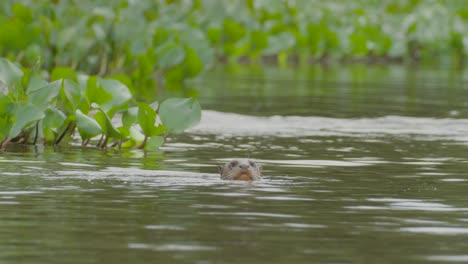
[[36, 135], [85, 142], [104, 143], [142, 145], [4, 144], [98, 145], [70, 127]]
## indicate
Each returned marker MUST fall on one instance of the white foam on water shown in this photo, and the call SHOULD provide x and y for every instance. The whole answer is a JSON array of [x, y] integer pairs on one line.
[[231, 124]]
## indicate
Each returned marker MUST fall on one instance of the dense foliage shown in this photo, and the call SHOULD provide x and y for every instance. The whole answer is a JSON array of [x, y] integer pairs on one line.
[[67, 47], [33, 109], [177, 39]]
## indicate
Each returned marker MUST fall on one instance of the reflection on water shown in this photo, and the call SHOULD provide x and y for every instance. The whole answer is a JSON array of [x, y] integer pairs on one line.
[[336, 189]]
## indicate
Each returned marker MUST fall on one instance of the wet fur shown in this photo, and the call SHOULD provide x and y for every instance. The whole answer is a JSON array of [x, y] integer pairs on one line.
[[240, 169]]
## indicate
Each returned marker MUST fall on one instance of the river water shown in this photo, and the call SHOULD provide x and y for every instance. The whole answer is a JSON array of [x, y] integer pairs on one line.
[[361, 165]]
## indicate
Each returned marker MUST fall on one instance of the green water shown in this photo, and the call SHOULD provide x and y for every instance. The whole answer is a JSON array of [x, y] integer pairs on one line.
[[361, 165]]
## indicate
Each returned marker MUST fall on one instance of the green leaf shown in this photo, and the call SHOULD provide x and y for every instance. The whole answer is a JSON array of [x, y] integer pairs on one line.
[[136, 135], [5, 126], [10, 74], [25, 114], [71, 94], [258, 41], [233, 31], [106, 124], [130, 117], [280, 42], [154, 143], [192, 64], [95, 93], [174, 75], [178, 114], [54, 119], [6, 105], [146, 118], [169, 55], [214, 35], [23, 13], [63, 73], [87, 126], [358, 44], [35, 82], [119, 92], [43, 96]]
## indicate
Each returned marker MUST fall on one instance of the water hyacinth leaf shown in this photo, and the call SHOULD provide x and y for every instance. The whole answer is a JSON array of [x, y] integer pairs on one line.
[[10, 74], [95, 93], [146, 118], [158, 130], [258, 41], [214, 35], [6, 105], [23, 13], [87, 126], [170, 54], [43, 96], [25, 114], [54, 118], [358, 44], [5, 126], [124, 132], [82, 80], [174, 75], [136, 136], [130, 116], [193, 64], [63, 73], [35, 82], [71, 92], [154, 142], [280, 42], [119, 91], [178, 114], [233, 31], [126, 80], [106, 124]]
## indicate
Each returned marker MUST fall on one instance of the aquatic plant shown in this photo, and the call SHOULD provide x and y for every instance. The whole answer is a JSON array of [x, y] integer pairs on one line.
[[176, 40], [34, 110]]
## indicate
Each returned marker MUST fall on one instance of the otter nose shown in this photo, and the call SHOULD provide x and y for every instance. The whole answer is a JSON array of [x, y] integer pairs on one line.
[[244, 166]]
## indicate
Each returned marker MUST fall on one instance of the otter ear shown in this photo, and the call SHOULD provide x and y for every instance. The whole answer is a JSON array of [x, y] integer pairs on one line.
[[220, 169]]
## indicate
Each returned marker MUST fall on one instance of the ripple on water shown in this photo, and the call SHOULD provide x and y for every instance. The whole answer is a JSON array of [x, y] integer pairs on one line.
[[436, 230], [284, 198], [171, 247], [448, 258], [19, 192], [252, 214], [408, 204], [303, 225], [220, 123], [76, 164], [165, 227], [315, 163]]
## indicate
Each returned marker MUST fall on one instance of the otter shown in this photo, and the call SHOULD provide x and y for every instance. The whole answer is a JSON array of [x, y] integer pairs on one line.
[[240, 169]]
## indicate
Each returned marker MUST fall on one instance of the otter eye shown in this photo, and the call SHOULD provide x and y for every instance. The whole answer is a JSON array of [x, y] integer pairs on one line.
[[251, 163], [234, 163]]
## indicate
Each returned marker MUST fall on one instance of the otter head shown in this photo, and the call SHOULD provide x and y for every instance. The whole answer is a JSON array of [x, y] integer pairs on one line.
[[240, 169]]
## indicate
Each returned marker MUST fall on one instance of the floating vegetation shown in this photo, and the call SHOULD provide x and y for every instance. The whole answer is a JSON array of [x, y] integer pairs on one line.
[[34, 110], [86, 63]]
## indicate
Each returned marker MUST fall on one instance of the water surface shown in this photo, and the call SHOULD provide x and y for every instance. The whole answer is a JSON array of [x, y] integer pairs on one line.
[[362, 165]]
